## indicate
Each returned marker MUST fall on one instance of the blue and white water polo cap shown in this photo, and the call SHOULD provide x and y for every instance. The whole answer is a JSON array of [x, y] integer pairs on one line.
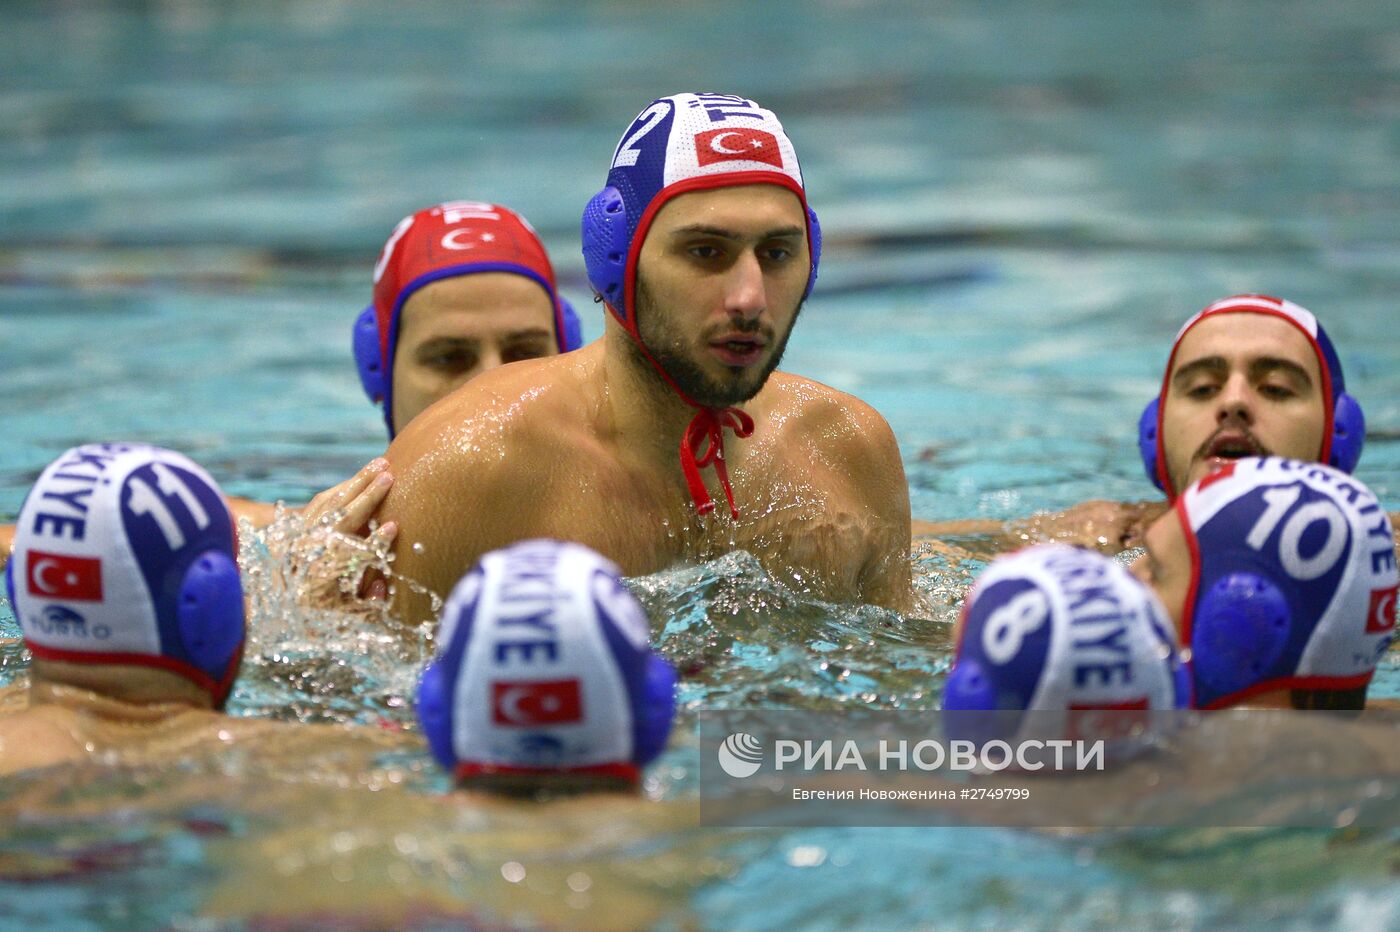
[[125, 554], [1293, 580], [545, 666], [682, 143], [1068, 633]]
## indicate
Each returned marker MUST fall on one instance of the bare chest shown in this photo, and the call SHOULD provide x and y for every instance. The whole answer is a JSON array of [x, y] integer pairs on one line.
[[798, 518]]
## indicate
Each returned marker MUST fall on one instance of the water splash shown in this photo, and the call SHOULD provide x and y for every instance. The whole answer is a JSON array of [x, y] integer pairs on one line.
[[741, 638], [316, 649]]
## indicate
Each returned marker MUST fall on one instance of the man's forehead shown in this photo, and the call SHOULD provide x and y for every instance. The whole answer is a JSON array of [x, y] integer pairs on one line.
[[480, 291], [1241, 336], [471, 303], [746, 208]]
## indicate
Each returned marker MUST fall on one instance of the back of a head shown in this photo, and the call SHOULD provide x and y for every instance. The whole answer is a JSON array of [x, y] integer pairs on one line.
[[125, 555], [1065, 635], [1293, 583], [544, 679]]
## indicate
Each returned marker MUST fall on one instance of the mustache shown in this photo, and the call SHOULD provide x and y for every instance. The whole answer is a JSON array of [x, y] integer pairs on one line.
[[1259, 448], [747, 327]]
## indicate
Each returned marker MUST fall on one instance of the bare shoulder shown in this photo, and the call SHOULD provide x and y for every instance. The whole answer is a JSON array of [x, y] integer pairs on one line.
[[841, 422], [519, 401], [848, 447], [475, 471]]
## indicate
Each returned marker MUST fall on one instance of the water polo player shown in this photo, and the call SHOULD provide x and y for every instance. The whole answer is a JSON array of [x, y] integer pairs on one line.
[[1072, 636], [124, 582], [459, 289], [544, 679], [703, 248], [1280, 577], [1249, 375]]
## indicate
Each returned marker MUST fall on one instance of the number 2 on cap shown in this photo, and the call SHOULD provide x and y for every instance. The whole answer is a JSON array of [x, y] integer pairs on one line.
[[627, 153]]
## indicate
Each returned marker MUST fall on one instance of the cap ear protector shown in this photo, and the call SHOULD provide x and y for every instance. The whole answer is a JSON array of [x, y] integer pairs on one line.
[[210, 613], [570, 330], [10, 585], [434, 713], [435, 685], [1348, 433], [969, 687], [1147, 441], [604, 232], [653, 715], [1241, 627], [606, 244], [365, 344]]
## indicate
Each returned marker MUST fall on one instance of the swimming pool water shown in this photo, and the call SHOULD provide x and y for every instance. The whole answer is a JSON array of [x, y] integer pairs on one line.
[[1021, 203]]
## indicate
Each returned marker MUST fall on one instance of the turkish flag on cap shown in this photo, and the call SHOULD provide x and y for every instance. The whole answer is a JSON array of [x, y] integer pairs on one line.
[[740, 144], [56, 576], [1381, 616], [542, 702]]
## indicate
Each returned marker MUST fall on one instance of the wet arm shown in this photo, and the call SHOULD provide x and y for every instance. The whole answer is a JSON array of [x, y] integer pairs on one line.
[[886, 578], [1109, 527], [260, 514]]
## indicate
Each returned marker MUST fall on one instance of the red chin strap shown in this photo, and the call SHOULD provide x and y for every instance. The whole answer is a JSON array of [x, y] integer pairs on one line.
[[704, 432], [709, 425]]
